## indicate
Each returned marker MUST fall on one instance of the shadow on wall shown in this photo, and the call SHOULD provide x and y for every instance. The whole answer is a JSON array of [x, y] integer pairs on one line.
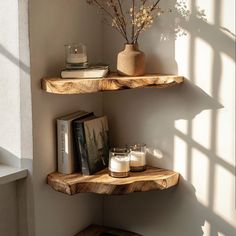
[[177, 24], [13, 59], [150, 115], [8, 158], [166, 222], [176, 212]]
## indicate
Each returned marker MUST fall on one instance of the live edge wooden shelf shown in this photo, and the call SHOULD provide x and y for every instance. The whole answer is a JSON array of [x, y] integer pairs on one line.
[[101, 183], [151, 179], [110, 83]]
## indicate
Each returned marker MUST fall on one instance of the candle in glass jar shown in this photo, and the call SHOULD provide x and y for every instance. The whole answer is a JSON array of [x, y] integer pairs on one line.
[[137, 159], [76, 58], [119, 164]]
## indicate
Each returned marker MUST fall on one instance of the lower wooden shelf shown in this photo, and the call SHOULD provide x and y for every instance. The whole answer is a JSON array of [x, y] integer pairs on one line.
[[151, 179], [96, 230]]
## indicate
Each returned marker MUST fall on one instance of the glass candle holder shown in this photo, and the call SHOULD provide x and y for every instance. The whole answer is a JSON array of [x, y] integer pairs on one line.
[[119, 162], [76, 56], [137, 157]]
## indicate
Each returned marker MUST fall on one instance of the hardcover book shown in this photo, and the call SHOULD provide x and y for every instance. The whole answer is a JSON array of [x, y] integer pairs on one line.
[[80, 142], [67, 161], [91, 137], [96, 71]]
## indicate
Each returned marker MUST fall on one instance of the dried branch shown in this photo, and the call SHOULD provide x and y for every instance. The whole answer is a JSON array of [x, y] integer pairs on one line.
[[144, 23], [118, 16], [122, 12], [133, 26], [141, 16], [117, 25]]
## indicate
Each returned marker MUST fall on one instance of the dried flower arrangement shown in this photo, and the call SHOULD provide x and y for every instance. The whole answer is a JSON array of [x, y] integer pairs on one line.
[[130, 18], [139, 17]]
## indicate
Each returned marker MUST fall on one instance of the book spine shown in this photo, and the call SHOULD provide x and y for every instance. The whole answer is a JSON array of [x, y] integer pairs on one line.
[[76, 144], [64, 157], [81, 147]]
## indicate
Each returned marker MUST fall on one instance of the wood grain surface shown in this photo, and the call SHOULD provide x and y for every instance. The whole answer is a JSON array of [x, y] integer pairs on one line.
[[151, 179], [96, 230], [111, 83]]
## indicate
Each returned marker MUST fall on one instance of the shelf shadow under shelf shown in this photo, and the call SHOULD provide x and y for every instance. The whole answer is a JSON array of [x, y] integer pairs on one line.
[[96, 230]]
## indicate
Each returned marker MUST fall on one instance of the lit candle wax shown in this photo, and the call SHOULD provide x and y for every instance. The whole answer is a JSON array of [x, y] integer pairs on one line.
[[76, 58], [137, 159], [119, 164]]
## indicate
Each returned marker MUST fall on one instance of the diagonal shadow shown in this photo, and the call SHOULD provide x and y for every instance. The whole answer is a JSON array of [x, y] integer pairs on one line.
[[14, 60], [167, 107]]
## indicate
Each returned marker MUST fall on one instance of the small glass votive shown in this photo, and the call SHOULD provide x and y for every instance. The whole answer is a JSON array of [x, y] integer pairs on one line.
[[76, 56], [119, 162], [137, 157]]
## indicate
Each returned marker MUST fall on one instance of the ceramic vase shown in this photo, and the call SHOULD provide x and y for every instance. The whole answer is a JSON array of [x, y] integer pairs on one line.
[[131, 61]]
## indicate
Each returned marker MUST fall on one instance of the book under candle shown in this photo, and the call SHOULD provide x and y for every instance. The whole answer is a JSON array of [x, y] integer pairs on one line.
[[97, 71]]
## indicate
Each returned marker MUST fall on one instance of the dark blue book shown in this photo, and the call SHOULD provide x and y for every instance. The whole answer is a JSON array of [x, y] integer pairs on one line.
[[77, 126], [92, 143]]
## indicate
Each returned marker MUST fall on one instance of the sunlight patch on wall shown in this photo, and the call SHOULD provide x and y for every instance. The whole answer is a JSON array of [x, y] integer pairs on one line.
[[200, 173], [225, 140], [182, 126], [182, 45], [9, 79], [224, 195], [203, 65], [221, 234], [227, 81], [180, 156], [9, 40], [208, 7], [206, 228], [202, 129], [226, 17], [9, 26]]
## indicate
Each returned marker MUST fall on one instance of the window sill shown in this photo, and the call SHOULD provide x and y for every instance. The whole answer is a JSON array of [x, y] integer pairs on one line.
[[9, 174]]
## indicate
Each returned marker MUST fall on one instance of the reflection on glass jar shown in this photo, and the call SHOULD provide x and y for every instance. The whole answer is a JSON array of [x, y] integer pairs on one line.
[[137, 157], [76, 56], [119, 162]]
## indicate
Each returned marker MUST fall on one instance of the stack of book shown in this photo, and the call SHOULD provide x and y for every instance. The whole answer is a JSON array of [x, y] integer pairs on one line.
[[93, 71], [82, 140]]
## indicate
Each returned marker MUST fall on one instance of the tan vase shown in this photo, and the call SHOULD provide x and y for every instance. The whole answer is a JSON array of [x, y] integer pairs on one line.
[[131, 61]]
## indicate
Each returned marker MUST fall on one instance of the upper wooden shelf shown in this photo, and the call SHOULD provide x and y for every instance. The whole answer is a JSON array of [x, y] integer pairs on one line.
[[110, 83], [151, 179]]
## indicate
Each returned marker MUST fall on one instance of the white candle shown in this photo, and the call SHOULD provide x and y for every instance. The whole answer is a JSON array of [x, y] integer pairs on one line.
[[137, 159], [119, 164], [77, 58]]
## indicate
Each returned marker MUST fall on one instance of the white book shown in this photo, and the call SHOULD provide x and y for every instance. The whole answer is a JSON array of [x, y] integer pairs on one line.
[[91, 72], [67, 162]]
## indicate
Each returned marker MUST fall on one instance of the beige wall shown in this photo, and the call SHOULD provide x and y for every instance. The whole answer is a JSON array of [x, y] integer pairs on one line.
[[52, 25], [8, 212], [15, 109], [193, 126], [10, 144]]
